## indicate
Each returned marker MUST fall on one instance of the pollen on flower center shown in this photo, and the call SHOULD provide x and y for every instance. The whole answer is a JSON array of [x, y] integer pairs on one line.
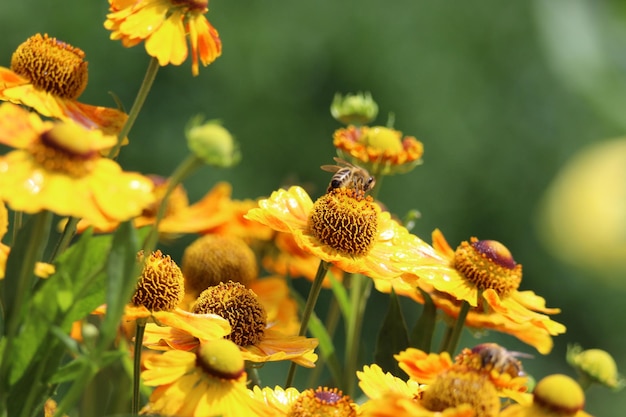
[[346, 221], [322, 402], [161, 284], [383, 138], [488, 264], [460, 385], [60, 150], [240, 306], [220, 358], [51, 65]]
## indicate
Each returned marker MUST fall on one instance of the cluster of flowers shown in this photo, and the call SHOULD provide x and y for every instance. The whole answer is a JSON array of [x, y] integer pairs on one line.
[[201, 329]]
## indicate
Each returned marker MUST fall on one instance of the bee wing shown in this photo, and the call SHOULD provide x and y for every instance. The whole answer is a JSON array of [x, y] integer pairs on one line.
[[342, 162], [521, 355], [330, 168]]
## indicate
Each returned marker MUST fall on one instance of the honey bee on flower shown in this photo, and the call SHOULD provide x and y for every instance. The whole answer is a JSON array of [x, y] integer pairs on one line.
[[348, 175]]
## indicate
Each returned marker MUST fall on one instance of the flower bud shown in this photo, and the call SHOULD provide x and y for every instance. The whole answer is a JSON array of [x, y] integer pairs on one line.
[[212, 143], [356, 109], [595, 365]]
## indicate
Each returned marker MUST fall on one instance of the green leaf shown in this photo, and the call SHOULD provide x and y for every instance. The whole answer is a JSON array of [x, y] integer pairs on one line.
[[392, 338], [122, 270], [422, 334]]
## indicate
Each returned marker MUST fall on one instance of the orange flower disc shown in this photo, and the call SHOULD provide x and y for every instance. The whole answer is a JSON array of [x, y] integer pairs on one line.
[[58, 154], [240, 306], [212, 259], [488, 264], [161, 285], [322, 402], [345, 220], [459, 386], [52, 65]]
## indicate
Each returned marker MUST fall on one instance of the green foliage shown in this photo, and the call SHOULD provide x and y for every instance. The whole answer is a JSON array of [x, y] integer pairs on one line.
[[392, 338]]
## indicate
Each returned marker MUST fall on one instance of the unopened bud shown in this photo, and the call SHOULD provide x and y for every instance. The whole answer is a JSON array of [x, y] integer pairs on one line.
[[356, 109], [212, 143]]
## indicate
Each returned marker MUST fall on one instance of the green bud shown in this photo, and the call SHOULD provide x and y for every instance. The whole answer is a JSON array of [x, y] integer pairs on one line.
[[595, 365], [356, 109], [212, 143]]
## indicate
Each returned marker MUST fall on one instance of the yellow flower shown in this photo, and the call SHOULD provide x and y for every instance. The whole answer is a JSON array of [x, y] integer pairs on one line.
[[180, 217], [210, 382], [288, 259], [380, 150], [554, 396], [377, 384], [501, 367], [322, 401], [57, 166], [258, 341], [49, 75], [457, 391], [484, 274], [164, 26], [345, 229]]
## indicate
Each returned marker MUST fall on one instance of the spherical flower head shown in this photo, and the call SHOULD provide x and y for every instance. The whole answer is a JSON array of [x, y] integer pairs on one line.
[[346, 221], [212, 259], [488, 264], [161, 283], [356, 109], [595, 365], [323, 402], [559, 395], [221, 358], [460, 385], [379, 149], [51, 65], [212, 143], [240, 306]]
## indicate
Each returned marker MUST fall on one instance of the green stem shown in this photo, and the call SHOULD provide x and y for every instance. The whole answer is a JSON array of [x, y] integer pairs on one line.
[[360, 289], [66, 237], [189, 165], [142, 94], [139, 331], [332, 320], [455, 335], [17, 223], [314, 293], [253, 375]]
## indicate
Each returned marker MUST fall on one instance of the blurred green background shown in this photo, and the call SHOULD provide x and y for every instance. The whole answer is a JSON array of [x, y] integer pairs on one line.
[[502, 94]]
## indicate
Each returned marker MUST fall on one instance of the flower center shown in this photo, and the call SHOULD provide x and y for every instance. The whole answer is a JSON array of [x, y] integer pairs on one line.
[[191, 5], [346, 221], [460, 385], [240, 306], [212, 259], [51, 65], [161, 284], [58, 150], [322, 402], [383, 138], [220, 358], [488, 264], [560, 395]]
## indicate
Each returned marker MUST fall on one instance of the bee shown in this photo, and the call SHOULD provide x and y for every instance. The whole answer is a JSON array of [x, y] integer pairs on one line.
[[348, 175], [501, 359]]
